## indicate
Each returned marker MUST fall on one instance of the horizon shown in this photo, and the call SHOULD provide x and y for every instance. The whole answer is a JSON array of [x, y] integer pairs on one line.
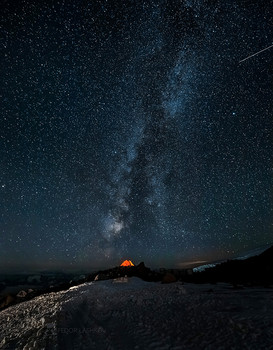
[[85, 269]]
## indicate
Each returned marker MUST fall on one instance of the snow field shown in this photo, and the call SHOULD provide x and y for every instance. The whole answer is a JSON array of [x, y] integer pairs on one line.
[[133, 314]]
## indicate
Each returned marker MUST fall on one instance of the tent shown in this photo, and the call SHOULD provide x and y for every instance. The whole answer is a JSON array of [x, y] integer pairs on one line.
[[127, 263]]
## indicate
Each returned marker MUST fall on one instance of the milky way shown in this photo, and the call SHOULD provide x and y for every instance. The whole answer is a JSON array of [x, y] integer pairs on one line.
[[129, 130]]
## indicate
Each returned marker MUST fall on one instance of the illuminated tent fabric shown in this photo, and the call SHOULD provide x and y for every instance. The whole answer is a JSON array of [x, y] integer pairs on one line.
[[127, 263]]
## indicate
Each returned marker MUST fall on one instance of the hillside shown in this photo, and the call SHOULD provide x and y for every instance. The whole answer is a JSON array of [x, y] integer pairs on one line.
[[256, 270]]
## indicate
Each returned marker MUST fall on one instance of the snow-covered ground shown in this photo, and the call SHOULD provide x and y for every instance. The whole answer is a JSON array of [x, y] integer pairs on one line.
[[133, 314]]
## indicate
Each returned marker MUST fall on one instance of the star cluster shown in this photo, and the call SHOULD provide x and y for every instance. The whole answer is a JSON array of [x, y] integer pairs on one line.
[[129, 129]]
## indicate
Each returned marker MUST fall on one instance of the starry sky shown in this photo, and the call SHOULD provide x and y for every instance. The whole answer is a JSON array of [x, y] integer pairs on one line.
[[129, 129]]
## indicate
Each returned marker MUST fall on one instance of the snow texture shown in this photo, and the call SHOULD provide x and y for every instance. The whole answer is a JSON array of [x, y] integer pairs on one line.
[[133, 314]]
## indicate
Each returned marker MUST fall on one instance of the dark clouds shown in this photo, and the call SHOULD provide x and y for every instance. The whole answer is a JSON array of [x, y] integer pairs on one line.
[[131, 130]]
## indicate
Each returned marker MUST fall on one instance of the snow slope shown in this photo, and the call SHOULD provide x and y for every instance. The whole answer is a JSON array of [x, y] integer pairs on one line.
[[243, 256], [133, 314]]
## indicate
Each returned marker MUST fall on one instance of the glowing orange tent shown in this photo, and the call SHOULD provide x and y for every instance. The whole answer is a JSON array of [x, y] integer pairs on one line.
[[127, 263]]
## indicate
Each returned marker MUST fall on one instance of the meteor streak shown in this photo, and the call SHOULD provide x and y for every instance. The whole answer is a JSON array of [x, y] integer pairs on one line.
[[257, 53]]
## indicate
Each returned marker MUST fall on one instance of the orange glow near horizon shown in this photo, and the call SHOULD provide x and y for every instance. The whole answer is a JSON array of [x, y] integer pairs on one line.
[[127, 263]]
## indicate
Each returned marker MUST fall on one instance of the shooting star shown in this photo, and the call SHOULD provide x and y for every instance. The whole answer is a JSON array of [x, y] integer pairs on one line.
[[257, 53]]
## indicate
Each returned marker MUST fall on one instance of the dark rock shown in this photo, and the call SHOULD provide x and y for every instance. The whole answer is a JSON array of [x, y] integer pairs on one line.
[[169, 278], [101, 277], [141, 267], [21, 294], [9, 299]]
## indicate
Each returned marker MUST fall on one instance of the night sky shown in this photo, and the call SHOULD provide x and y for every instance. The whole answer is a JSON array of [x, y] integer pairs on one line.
[[129, 129]]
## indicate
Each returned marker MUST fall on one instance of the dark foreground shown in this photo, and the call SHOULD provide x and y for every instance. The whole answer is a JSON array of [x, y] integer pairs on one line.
[[129, 313]]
